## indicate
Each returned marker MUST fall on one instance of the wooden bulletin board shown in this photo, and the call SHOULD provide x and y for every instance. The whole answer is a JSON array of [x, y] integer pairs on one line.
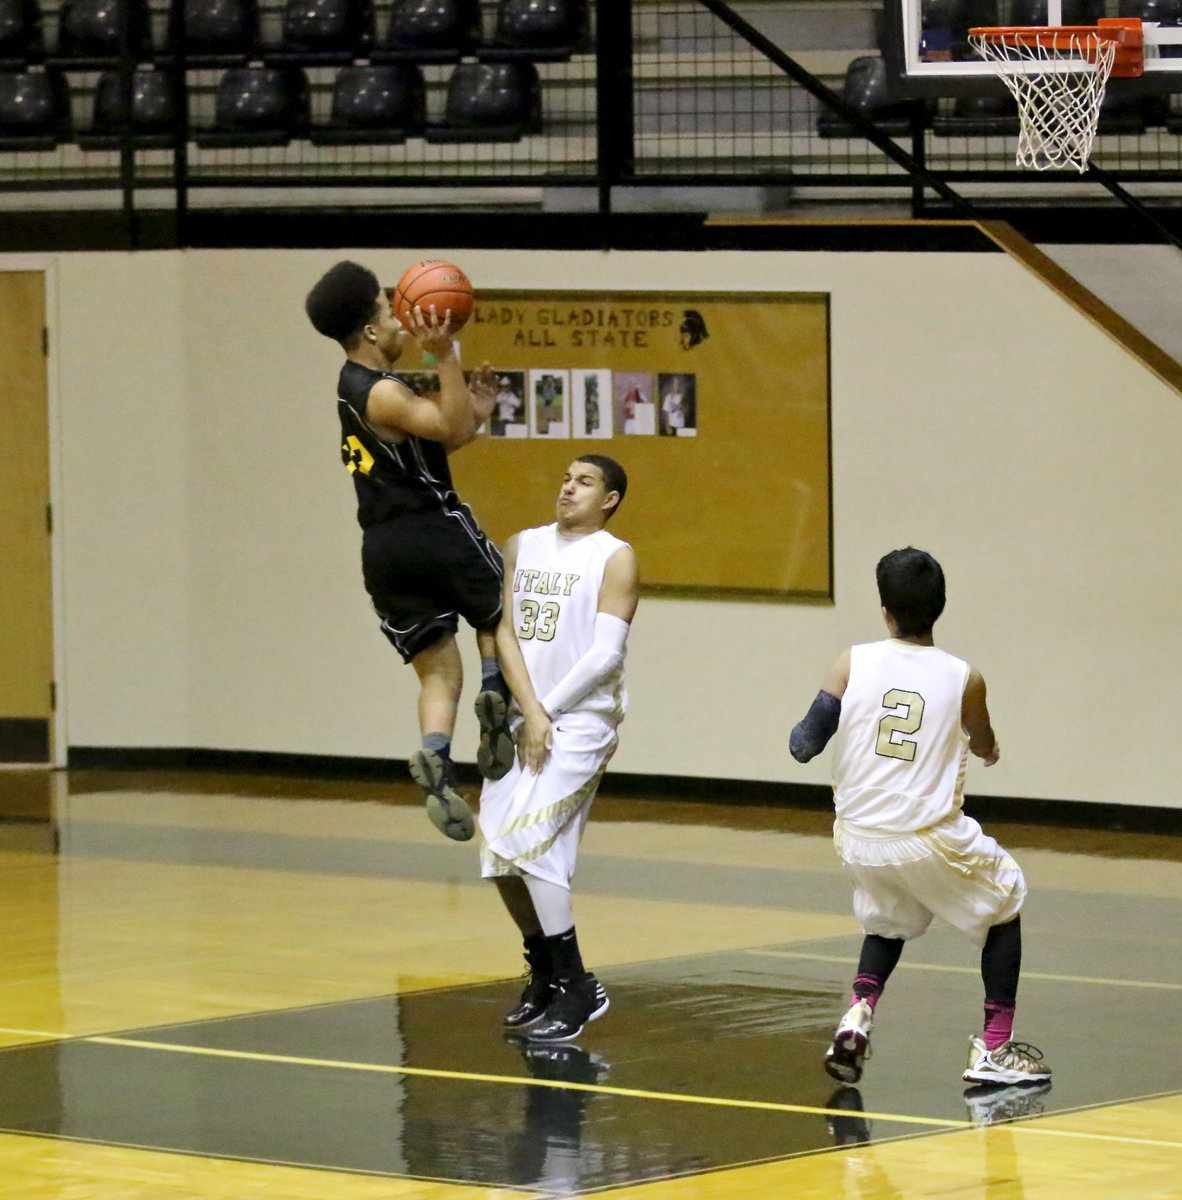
[[716, 404]]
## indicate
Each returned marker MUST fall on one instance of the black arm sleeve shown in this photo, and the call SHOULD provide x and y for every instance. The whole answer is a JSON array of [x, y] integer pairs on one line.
[[812, 735]]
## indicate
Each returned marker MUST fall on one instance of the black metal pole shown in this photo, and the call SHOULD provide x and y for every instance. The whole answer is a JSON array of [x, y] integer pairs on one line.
[[126, 132], [614, 89], [827, 96], [180, 106]]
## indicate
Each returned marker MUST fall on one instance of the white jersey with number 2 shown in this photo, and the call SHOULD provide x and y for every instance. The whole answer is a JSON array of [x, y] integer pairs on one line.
[[556, 584], [900, 750]]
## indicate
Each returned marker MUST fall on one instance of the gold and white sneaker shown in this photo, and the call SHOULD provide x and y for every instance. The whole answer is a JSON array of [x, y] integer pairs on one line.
[[995, 1103], [851, 1043], [1015, 1062]]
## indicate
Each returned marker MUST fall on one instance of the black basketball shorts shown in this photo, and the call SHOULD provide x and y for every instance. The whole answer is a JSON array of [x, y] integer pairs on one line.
[[425, 570]]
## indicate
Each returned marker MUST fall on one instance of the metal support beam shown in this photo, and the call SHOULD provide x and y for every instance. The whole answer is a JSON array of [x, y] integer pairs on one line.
[[831, 99]]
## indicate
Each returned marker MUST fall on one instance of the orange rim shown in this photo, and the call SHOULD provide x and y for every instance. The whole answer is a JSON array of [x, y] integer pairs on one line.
[[1053, 37]]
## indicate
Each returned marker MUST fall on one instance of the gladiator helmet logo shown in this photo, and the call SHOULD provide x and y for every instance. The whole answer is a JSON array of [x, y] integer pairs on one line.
[[693, 329]]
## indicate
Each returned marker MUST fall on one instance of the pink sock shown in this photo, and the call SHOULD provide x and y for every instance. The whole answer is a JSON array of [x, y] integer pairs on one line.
[[999, 1024], [868, 988]]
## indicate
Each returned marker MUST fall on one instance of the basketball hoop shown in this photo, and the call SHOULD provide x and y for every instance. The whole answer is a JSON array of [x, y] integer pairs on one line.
[[1057, 74]]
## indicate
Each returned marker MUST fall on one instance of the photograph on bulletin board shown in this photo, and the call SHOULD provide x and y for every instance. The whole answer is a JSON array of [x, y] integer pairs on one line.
[[716, 405]]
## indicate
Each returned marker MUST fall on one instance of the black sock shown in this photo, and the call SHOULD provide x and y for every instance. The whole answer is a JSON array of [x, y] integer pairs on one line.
[[880, 955], [1001, 962], [537, 954], [564, 954]]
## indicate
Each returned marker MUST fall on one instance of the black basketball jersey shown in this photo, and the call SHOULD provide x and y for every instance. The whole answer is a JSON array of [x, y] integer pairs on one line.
[[390, 477]]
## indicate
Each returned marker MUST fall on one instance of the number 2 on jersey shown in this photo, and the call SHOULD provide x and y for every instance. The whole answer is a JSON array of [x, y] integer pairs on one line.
[[538, 620], [905, 715]]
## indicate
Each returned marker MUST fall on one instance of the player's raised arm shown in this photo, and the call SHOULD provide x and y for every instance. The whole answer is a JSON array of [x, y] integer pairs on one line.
[[974, 716], [449, 418], [812, 733], [618, 594]]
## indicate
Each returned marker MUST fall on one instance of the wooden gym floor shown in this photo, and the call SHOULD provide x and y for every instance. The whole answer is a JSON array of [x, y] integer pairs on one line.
[[247, 986]]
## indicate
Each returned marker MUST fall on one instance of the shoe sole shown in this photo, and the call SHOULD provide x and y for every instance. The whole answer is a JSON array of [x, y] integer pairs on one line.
[[1003, 1078], [845, 1056], [446, 808], [570, 1037], [495, 755], [1000, 1103]]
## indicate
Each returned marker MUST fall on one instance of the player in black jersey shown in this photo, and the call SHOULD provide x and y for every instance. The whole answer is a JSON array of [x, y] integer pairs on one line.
[[425, 560]]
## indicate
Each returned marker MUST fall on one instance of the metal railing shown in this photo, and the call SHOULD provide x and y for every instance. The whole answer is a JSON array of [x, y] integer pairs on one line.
[[659, 94]]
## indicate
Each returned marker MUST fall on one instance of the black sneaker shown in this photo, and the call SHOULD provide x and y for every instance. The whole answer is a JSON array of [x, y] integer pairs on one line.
[[495, 755], [575, 1002], [563, 1063], [447, 809], [850, 1130], [535, 998]]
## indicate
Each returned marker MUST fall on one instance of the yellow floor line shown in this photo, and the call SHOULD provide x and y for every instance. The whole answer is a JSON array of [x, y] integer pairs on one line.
[[39, 1033], [914, 966], [519, 1081], [1034, 1125]]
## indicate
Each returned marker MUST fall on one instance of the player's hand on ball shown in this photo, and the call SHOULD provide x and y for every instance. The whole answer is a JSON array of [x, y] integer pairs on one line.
[[534, 740], [430, 329]]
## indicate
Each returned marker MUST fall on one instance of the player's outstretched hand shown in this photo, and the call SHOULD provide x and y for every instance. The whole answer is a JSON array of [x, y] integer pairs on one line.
[[535, 737], [430, 329]]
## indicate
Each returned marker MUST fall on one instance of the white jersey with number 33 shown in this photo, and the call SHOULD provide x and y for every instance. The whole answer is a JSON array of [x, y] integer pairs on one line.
[[556, 583], [900, 751]]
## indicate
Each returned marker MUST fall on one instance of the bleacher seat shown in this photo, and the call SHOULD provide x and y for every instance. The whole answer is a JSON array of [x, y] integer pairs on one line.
[[258, 106], [21, 38], [1164, 12], [1075, 12], [430, 31], [490, 102], [217, 33], [865, 88], [153, 112], [378, 103], [978, 116], [1121, 114], [96, 33], [538, 30], [34, 109], [324, 31], [945, 26]]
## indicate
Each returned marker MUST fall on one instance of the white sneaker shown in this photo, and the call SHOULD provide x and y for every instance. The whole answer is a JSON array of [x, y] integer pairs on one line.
[[1015, 1062], [993, 1103], [851, 1043]]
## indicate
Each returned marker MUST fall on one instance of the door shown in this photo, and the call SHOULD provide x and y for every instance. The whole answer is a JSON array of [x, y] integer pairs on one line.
[[26, 600]]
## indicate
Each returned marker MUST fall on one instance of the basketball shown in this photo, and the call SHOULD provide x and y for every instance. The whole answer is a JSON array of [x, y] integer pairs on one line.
[[434, 282]]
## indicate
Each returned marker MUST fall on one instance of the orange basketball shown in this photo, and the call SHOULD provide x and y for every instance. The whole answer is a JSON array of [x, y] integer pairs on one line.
[[434, 282]]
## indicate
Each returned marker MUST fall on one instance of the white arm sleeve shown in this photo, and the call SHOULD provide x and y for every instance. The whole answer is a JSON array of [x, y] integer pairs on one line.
[[605, 656]]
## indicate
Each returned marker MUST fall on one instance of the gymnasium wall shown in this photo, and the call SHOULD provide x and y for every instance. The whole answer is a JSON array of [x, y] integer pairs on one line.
[[207, 551]]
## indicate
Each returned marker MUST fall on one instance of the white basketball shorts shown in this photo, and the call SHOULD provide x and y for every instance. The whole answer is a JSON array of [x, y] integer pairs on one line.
[[532, 824], [951, 870]]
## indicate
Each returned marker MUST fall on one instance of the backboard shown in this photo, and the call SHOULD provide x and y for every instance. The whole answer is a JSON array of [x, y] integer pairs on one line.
[[925, 42]]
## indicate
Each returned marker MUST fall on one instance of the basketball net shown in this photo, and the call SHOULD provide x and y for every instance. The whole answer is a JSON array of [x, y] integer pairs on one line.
[[1059, 104]]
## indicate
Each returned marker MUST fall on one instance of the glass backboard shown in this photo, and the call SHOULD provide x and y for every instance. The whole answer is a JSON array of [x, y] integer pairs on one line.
[[925, 42]]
